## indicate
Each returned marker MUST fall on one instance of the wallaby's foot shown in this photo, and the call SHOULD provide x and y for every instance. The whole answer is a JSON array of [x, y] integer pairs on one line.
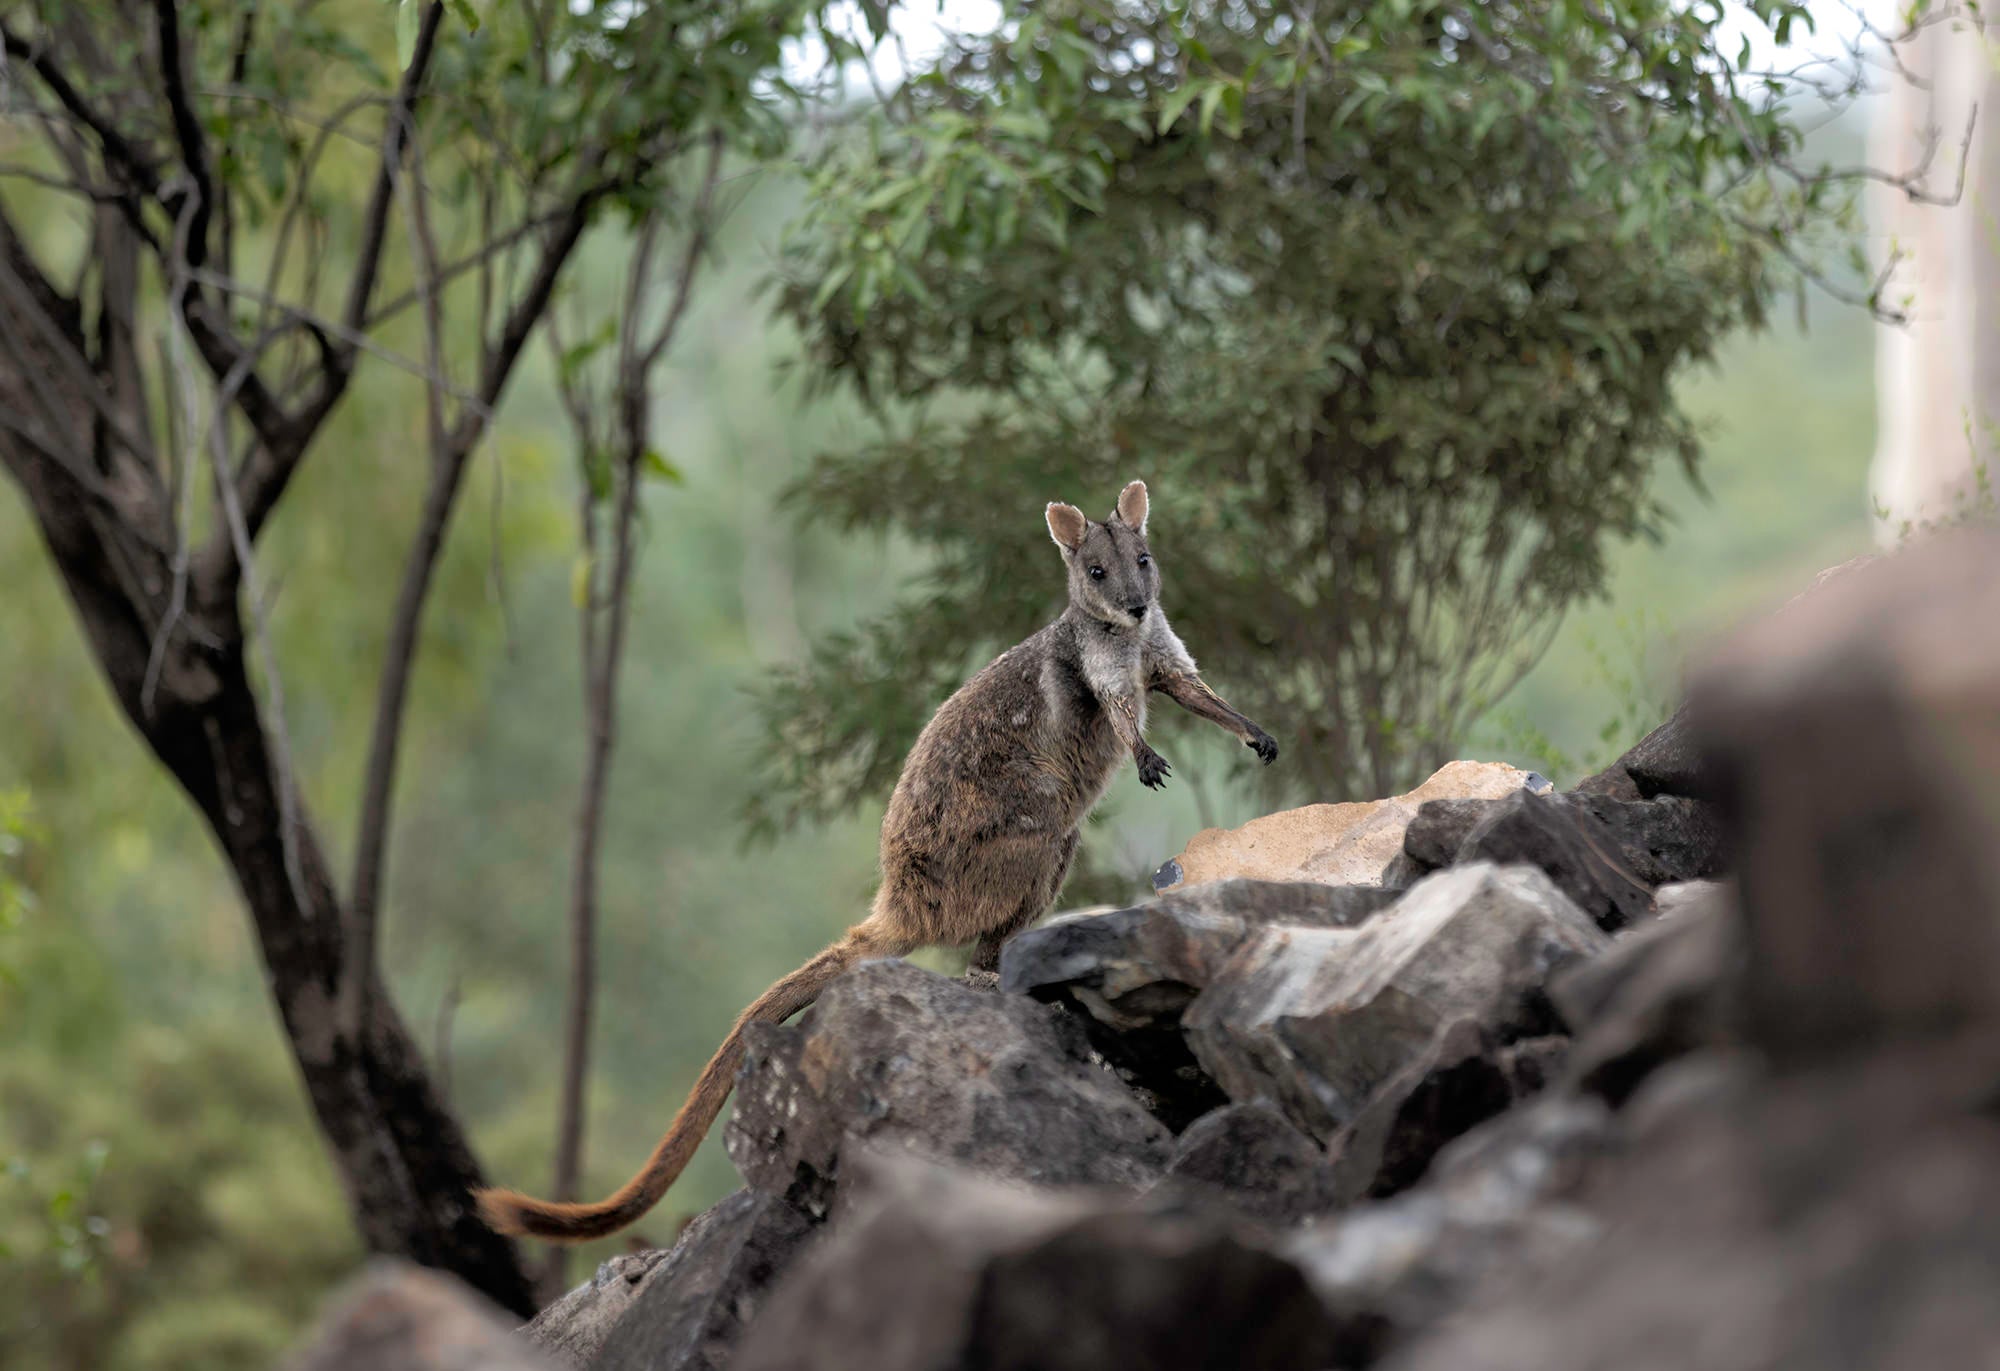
[[985, 959], [1263, 744], [1153, 770]]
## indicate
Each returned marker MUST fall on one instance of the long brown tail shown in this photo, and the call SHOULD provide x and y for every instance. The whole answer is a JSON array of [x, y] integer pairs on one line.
[[509, 1211]]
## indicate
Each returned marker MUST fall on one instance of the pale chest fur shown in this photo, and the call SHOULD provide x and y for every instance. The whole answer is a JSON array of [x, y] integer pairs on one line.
[[1114, 666]]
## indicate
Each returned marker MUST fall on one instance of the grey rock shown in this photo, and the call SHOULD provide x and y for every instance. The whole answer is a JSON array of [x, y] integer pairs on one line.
[[1440, 829], [1132, 972], [396, 1316], [1249, 1158], [575, 1326], [1317, 1019], [1456, 1083], [1667, 761], [1494, 1199], [913, 1061], [1139, 967], [1600, 849], [1532, 1065], [944, 1270], [1658, 992], [687, 1309], [1573, 845]]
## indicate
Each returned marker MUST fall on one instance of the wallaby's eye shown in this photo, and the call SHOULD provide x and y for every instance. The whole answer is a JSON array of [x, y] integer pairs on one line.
[[1145, 559], [1097, 573]]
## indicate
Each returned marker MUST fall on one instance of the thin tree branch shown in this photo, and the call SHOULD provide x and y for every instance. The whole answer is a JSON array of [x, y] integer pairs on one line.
[[399, 126], [266, 476], [118, 149], [637, 358], [187, 132], [447, 472]]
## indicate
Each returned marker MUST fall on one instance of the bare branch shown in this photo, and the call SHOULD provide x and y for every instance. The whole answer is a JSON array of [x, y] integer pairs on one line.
[[638, 355], [396, 129], [119, 151], [447, 473], [101, 194], [187, 132], [265, 478]]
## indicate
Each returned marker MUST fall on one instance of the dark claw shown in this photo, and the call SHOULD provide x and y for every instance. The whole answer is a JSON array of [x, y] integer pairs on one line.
[[1265, 746], [1153, 771]]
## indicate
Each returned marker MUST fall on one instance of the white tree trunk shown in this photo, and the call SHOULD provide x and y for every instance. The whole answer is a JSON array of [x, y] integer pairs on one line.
[[1938, 377]]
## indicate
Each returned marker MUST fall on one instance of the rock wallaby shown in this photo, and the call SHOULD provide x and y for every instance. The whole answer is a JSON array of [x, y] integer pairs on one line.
[[984, 820]]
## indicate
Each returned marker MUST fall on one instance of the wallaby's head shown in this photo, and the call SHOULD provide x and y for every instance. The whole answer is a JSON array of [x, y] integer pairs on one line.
[[1112, 575]]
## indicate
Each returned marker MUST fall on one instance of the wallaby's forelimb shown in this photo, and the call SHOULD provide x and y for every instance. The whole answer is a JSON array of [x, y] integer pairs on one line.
[[1191, 693], [512, 1212], [1123, 711]]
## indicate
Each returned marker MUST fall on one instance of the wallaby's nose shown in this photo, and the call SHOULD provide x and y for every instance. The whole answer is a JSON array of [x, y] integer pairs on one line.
[[1137, 611]]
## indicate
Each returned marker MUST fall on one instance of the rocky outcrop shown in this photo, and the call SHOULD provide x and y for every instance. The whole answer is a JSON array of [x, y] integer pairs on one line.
[[1317, 1020], [1830, 1199], [1690, 1066], [1130, 974]]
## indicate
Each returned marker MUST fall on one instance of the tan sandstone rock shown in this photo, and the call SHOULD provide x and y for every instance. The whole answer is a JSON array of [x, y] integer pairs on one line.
[[1338, 844]]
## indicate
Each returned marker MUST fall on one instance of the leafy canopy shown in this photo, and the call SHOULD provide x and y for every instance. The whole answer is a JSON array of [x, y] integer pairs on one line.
[[1384, 298]]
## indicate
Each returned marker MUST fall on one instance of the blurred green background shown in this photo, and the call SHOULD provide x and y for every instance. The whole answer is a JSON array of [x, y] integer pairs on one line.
[[170, 1205]]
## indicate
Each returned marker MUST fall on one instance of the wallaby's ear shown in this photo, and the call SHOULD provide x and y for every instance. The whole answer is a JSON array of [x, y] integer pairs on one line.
[[1067, 526], [1132, 505]]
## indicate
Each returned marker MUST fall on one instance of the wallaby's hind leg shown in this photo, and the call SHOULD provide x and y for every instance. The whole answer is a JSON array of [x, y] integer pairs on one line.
[[986, 953]]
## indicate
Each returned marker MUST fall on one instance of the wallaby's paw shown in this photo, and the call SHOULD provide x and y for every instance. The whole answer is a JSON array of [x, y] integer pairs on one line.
[[1153, 771], [1264, 745]]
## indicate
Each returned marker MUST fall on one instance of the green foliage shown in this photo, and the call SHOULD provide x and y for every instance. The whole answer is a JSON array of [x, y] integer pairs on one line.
[[1386, 304], [1625, 673], [18, 829], [195, 1223]]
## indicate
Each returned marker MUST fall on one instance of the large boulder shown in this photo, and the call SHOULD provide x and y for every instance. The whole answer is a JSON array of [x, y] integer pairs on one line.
[[909, 1060], [575, 1326], [1130, 973], [396, 1316], [932, 1270], [1317, 1019], [1338, 844], [1856, 754]]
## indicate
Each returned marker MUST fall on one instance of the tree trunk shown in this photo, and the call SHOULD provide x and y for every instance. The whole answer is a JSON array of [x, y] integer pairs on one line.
[[401, 1155]]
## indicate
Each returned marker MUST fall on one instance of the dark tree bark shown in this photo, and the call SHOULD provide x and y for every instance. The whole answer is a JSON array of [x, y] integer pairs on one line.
[[400, 1153]]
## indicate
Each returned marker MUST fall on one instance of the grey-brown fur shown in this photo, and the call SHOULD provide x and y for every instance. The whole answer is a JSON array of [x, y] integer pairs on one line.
[[985, 819]]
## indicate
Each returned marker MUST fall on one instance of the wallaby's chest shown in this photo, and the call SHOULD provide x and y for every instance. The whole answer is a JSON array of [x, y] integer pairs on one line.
[[1113, 666]]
